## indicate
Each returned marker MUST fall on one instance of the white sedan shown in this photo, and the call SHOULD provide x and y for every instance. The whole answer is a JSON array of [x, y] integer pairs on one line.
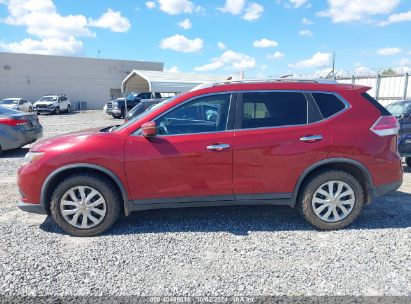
[[19, 104]]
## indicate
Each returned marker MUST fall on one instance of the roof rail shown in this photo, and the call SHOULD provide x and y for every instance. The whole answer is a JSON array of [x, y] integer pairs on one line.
[[320, 80]]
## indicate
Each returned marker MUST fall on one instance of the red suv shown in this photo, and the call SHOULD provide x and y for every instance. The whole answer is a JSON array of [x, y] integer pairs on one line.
[[327, 149]]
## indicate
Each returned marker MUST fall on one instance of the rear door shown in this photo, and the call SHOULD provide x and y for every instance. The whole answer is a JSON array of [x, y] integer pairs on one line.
[[274, 142]]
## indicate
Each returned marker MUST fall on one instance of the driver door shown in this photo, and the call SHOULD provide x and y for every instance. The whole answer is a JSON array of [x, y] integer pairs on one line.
[[190, 159]]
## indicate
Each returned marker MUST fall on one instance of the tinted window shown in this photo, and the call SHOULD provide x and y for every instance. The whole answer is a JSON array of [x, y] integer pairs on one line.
[[273, 109], [204, 114], [5, 111], [376, 104], [329, 104]]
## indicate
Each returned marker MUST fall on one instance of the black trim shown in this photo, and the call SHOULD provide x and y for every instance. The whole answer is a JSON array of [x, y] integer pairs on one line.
[[211, 201], [375, 103], [329, 161], [386, 188], [264, 196], [53, 174], [32, 208]]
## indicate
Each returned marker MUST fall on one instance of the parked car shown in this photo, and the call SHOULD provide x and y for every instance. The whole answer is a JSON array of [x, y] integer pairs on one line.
[[326, 149], [18, 129], [117, 107], [52, 103], [19, 104], [143, 106], [402, 111]]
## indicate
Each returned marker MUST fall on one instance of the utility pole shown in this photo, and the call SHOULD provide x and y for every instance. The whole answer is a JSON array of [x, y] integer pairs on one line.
[[98, 53], [333, 71]]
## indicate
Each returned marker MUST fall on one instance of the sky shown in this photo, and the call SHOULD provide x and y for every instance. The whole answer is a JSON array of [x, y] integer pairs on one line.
[[260, 37]]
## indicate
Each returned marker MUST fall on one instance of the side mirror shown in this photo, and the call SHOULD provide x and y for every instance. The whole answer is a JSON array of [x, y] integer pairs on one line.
[[149, 129]]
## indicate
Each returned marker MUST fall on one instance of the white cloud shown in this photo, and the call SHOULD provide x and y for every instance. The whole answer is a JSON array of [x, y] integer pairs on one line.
[[234, 7], [113, 21], [175, 7], [230, 59], [397, 18], [298, 3], [181, 43], [221, 46], [185, 24], [253, 12], [209, 66], [357, 10], [46, 46], [307, 21], [318, 60], [173, 69], [56, 34], [265, 43], [150, 4], [306, 33], [275, 55], [389, 51]]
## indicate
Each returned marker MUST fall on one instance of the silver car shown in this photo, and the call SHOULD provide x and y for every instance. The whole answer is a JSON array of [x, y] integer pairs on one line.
[[18, 129]]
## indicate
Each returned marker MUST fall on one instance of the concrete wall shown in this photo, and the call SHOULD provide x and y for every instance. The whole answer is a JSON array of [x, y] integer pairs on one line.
[[82, 79]]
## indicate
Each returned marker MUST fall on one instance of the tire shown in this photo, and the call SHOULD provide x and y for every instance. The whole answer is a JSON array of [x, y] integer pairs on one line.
[[57, 111], [332, 221], [408, 161], [110, 208], [68, 108], [30, 109]]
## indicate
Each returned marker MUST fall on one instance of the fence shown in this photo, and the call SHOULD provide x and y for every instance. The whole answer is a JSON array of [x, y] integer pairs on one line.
[[386, 89]]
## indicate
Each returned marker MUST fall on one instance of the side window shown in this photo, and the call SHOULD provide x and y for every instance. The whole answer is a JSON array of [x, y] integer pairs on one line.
[[273, 109], [22, 102], [202, 115], [329, 104]]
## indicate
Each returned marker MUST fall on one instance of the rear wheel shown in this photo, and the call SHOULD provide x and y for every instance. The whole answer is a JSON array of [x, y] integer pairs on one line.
[[408, 161], [85, 205], [68, 108], [331, 200], [30, 109]]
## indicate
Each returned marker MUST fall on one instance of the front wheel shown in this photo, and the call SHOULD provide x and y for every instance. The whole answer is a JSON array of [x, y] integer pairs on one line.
[[85, 205], [57, 111], [331, 200]]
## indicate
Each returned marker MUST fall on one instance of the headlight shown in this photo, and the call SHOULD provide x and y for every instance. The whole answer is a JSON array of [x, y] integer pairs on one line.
[[31, 157], [51, 106], [115, 104]]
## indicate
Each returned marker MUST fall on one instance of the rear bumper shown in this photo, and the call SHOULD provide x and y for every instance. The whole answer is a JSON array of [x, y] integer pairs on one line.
[[386, 188], [32, 208], [20, 137]]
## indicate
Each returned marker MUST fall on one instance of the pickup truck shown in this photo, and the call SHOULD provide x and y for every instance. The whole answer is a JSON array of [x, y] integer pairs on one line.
[[117, 107]]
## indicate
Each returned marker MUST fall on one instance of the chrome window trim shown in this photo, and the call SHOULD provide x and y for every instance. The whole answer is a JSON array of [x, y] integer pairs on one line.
[[342, 99]]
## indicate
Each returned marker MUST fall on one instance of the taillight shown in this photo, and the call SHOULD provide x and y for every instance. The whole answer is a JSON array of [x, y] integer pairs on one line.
[[385, 126], [12, 122]]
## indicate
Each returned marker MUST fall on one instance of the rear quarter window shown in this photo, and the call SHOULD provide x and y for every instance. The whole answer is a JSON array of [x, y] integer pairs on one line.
[[329, 104]]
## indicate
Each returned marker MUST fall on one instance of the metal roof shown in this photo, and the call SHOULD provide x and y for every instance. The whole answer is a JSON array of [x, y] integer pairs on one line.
[[164, 82]]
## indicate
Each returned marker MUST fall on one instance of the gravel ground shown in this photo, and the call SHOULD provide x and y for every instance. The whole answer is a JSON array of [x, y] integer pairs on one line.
[[206, 251]]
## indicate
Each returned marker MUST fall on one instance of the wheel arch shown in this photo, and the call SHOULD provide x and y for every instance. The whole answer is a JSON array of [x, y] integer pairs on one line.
[[57, 175], [357, 169]]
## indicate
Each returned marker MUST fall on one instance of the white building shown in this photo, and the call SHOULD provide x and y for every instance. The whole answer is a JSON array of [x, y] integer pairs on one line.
[[92, 80]]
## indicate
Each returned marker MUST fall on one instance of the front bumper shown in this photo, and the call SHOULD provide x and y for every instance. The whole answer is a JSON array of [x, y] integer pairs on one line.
[[32, 208], [48, 110]]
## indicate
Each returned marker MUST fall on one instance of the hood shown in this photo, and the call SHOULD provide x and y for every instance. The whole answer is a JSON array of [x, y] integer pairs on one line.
[[65, 141], [44, 102]]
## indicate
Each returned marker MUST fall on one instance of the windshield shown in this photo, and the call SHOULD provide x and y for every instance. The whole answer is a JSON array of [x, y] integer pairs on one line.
[[145, 113], [48, 98], [397, 109], [8, 101]]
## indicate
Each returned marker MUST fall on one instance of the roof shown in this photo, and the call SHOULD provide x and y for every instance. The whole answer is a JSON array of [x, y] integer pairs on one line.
[[167, 82]]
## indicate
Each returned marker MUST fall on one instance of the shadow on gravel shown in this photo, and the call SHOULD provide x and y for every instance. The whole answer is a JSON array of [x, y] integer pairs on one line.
[[16, 153], [72, 112], [393, 211]]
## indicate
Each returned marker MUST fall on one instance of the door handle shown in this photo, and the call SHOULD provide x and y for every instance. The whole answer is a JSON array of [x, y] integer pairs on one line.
[[218, 147], [311, 138]]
